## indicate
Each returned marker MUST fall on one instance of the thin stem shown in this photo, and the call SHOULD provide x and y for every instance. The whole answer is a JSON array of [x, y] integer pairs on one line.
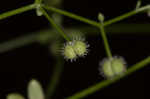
[[106, 83], [126, 15], [119, 18], [17, 11], [55, 78], [94, 23], [106, 44], [54, 25], [71, 15]]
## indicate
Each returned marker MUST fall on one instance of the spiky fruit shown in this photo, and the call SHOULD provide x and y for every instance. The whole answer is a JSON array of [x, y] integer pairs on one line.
[[118, 66], [107, 69], [69, 52], [112, 67], [75, 48], [80, 48]]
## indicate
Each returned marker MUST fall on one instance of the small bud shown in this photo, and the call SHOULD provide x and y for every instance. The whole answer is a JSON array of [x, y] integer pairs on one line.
[[38, 10], [101, 17], [138, 4], [112, 67]]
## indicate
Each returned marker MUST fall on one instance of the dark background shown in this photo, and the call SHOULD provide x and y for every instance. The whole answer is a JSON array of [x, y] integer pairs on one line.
[[19, 66]]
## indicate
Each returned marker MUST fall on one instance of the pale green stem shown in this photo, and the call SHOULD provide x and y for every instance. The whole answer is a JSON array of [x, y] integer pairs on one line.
[[97, 87], [106, 44], [55, 25], [17, 11]]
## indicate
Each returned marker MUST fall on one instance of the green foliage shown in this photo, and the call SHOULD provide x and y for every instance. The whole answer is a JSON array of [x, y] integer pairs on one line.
[[35, 90]]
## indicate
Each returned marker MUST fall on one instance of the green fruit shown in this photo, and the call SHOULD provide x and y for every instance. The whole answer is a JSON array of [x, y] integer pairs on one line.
[[113, 66], [69, 52], [80, 48], [107, 69], [118, 66]]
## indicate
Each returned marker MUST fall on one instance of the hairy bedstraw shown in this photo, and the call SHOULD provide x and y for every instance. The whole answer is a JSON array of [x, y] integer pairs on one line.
[[111, 67]]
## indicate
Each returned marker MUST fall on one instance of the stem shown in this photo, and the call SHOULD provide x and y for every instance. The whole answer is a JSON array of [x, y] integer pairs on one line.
[[147, 7], [17, 11], [71, 15], [55, 78], [54, 25], [119, 18], [94, 23], [105, 83], [107, 48], [126, 15]]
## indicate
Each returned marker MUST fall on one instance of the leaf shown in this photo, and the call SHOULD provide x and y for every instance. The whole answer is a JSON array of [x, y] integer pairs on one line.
[[14, 96], [35, 90]]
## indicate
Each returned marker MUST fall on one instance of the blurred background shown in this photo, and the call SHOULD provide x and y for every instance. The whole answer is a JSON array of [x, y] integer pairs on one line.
[[129, 38]]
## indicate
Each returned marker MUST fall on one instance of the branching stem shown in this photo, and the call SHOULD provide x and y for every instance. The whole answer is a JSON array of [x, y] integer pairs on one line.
[[94, 23], [55, 25]]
